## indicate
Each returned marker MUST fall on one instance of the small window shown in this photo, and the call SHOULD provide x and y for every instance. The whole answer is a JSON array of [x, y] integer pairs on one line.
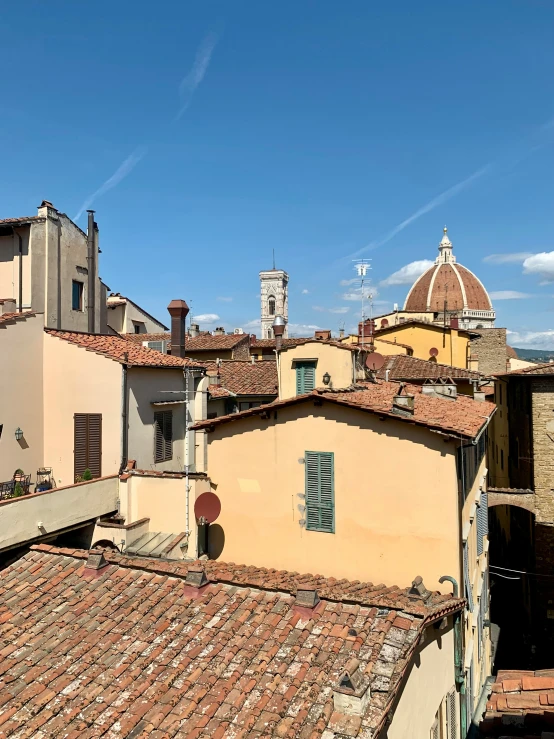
[[320, 491], [77, 295], [139, 327], [305, 377], [163, 436], [502, 459], [271, 305]]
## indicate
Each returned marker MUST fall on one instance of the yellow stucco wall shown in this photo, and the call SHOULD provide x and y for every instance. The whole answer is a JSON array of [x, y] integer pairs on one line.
[[79, 381], [332, 359], [452, 345], [429, 679], [499, 442], [395, 495]]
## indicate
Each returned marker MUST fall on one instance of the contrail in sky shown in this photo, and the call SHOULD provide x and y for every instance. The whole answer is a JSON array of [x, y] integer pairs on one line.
[[190, 82], [431, 205], [120, 173]]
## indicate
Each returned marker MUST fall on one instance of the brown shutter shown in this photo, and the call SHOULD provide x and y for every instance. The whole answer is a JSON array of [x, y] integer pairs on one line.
[[158, 437], [163, 436], [87, 450], [168, 435]]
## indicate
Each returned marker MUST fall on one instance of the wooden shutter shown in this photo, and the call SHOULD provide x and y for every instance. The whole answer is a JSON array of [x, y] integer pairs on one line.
[[163, 436], [469, 594], [299, 379], [320, 492], [482, 521], [305, 377], [451, 715], [87, 450], [469, 695], [435, 730]]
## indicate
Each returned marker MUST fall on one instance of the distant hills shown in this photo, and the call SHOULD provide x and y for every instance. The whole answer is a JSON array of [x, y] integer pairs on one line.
[[535, 355]]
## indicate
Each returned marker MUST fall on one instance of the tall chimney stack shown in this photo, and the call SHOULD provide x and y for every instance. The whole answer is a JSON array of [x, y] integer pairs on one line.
[[91, 272], [178, 310]]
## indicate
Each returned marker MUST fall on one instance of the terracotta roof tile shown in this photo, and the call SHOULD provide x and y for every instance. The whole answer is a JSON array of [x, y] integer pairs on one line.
[[270, 343], [209, 342], [139, 338], [132, 651], [11, 317], [547, 368], [402, 367], [245, 378], [462, 416], [521, 699], [21, 219], [121, 350]]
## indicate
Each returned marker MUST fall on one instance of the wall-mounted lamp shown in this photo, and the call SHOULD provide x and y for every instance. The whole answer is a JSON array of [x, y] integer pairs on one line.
[[18, 434], [326, 378]]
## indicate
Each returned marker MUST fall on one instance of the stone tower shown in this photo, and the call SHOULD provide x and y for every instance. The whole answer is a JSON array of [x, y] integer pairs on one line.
[[275, 300]]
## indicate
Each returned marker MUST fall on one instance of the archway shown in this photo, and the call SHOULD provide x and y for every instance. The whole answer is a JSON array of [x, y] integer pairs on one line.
[[512, 584]]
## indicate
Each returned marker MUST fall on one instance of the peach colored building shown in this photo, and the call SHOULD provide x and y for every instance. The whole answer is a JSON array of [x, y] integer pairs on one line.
[[359, 483]]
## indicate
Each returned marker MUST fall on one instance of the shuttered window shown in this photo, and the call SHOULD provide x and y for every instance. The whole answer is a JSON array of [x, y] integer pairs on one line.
[[467, 581], [163, 436], [451, 715], [320, 492], [469, 695], [482, 521], [305, 377], [87, 450], [435, 730]]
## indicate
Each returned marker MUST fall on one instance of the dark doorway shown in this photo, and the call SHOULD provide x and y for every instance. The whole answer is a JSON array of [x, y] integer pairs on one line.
[[513, 588]]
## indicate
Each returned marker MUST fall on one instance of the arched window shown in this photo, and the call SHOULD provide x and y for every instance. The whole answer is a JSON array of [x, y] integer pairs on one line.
[[271, 305], [269, 333]]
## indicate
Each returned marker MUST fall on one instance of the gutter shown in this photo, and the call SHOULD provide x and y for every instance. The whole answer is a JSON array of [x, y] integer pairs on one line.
[[124, 416], [483, 428]]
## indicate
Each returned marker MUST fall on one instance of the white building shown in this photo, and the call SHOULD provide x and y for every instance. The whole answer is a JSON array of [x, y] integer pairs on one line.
[[274, 300]]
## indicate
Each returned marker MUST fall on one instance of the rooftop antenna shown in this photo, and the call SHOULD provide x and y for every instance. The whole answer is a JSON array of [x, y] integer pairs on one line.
[[273, 250], [362, 267]]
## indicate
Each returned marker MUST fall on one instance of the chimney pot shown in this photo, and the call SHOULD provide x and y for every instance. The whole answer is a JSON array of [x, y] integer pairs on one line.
[[307, 597], [403, 402], [96, 560], [178, 310], [196, 576], [418, 591], [351, 695]]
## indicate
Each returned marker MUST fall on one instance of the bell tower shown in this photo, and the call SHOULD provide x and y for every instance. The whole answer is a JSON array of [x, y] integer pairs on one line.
[[274, 300]]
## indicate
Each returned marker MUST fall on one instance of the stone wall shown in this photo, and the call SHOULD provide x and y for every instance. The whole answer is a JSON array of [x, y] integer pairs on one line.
[[490, 350], [543, 447]]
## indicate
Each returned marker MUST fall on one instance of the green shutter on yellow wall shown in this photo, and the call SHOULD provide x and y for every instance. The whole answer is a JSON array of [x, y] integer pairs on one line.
[[305, 377], [320, 492]]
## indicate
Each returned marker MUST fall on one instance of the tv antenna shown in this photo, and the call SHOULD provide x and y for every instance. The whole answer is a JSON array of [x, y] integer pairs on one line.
[[362, 267]]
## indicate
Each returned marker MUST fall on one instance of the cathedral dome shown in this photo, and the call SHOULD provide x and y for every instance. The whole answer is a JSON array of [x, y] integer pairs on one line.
[[451, 287]]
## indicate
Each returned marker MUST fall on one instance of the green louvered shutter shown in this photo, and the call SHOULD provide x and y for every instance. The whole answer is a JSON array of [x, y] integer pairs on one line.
[[468, 588], [482, 521], [305, 377], [320, 492]]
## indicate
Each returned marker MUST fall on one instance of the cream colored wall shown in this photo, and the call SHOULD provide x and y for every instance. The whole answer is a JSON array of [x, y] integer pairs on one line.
[[55, 510], [79, 381], [516, 364], [116, 318], [9, 266], [429, 679], [423, 338], [400, 316], [337, 362], [395, 495], [134, 313], [387, 348], [21, 397], [147, 385], [499, 441]]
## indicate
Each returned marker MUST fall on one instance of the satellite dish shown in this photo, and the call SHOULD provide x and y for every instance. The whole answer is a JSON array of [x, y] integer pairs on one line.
[[374, 361], [433, 352], [207, 506], [384, 323]]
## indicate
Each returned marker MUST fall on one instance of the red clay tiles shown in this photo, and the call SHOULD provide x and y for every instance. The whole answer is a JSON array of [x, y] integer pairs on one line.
[[521, 704], [11, 317], [403, 367], [129, 654], [244, 378]]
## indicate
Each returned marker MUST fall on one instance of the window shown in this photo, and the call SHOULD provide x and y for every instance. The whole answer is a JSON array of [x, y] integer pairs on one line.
[[77, 295], [305, 377], [502, 459], [482, 521], [467, 581], [163, 436], [320, 492], [271, 305], [87, 450], [139, 327], [451, 722], [247, 405]]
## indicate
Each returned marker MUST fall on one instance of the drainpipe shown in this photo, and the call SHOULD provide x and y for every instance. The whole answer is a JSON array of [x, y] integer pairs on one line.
[[91, 271], [124, 415], [20, 252], [458, 653], [187, 482]]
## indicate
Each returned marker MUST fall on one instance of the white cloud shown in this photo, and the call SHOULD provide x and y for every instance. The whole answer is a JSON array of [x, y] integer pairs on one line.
[[190, 82], [356, 293], [515, 258], [542, 265], [302, 329], [206, 318], [407, 274], [321, 309], [507, 295], [120, 173], [305, 292], [347, 283], [224, 300], [532, 339], [256, 323]]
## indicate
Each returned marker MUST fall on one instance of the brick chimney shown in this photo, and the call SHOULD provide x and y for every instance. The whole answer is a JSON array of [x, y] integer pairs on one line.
[[178, 310]]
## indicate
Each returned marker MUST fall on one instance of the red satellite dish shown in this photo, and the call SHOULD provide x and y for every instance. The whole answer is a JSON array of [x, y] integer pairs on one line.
[[433, 352], [207, 506], [384, 323], [374, 361]]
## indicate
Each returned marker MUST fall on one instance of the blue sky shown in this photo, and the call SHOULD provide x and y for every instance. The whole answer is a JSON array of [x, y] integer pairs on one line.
[[207, 134]]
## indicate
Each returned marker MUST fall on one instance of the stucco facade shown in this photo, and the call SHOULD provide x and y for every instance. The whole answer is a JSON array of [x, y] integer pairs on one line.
[[126, 317], [338, 362], [452, 345]]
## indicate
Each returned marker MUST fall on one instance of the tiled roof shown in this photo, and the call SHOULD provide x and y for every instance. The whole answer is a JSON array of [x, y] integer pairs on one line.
[[11, 317], [416, 322], [521, 704], [114, 303], [22, 219], [209, 342], [131, 651], [511, 352], [121, 350], [538, 369], [217, 391], [402, 367], [139, 338], [394, 343], [270, 343], [462, 416], [245, 378]]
